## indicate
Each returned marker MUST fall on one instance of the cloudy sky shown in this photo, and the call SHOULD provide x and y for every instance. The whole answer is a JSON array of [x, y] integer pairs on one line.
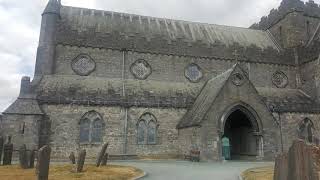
[[20, 25]]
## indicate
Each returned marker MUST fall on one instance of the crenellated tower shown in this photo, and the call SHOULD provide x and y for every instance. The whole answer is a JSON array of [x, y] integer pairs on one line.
[[293, 24]]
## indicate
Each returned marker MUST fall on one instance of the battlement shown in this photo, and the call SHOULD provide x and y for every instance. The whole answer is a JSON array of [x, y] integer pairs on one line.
[[309, 8]]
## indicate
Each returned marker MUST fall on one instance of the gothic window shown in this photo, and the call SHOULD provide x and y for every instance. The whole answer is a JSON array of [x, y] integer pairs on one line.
[[141, 69], [84, 130], [280, 79], [91, 128], [141, 131], [305, 130], [152, 132], [83, 65], [193, 73], [97, 126], [147, 129]]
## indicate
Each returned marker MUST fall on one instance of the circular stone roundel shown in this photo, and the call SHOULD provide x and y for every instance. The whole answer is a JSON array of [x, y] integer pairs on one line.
[[83, 65], [280, 79], [237, 79], [193, 73], [141, 69]]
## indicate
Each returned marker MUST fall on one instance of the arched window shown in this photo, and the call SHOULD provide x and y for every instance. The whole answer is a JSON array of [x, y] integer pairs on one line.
[[147, 129], [305, 130], [96, 135], [84, 130], [152, 134], [141, 131], [91, 128]]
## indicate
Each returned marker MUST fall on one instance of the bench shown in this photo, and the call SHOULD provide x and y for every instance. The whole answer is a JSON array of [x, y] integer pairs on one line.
[[194, 156]]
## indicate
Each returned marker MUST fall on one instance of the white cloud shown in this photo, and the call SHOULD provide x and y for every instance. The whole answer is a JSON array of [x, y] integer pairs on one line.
[[20, 25]]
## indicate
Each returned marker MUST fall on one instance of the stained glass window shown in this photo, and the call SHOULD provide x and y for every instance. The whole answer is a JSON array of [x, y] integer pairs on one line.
[[84, 130], [305, 130], [147, 129], [141, 132], [152, 128], [96, 135], [91, 128]]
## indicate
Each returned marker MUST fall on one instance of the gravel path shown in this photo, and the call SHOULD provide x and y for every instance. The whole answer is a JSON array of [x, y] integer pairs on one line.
[[183, 170]]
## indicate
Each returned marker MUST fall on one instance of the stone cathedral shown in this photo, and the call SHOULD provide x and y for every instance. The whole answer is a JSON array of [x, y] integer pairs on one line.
[[156, 87]]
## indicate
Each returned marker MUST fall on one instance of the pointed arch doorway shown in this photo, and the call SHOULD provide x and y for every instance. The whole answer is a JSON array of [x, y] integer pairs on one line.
[[242, 128]]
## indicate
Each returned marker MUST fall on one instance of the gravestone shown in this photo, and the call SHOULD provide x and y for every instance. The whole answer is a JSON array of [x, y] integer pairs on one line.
[[32, 156], [23, 157], [1, 147], [43, 163], [281, 167], [105, 159], [72, 158], [301, 162], [81, 160], [101, 154], [7, 152]]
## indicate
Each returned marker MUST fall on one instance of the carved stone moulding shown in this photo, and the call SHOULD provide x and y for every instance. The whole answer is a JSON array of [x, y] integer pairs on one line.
[[280, 79], [237, 79], [141, 69], [83, 65], [193, 73]]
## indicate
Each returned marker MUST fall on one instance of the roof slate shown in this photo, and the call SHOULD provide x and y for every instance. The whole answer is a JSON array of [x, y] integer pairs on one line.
[[204, 100], [24, 106]]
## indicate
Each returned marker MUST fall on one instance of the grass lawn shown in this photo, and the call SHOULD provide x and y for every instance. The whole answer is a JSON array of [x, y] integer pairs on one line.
[[65, 172], [262, 173]]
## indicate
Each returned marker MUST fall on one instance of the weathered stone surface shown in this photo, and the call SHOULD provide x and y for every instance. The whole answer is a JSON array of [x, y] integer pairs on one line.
[[72, 158], [1, 147], [7, 152], [301, 162], [101, 154], [59, 97], [105, 159], [81, 160], [31, 158], [281, 167], [43, 164], [23, 157]]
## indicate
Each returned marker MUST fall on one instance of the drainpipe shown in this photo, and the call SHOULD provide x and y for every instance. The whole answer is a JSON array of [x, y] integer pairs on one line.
[[125, 128], [281, 137]]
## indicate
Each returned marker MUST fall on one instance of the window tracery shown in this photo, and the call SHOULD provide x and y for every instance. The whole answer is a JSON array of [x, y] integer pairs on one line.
[[91, 128]]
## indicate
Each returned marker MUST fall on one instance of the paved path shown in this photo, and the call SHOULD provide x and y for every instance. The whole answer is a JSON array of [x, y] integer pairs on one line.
[[182, 170]]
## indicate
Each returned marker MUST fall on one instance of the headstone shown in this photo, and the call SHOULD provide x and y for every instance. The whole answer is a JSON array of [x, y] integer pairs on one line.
[[101, 154], [23, 157], [81, 160], [1, 147], [72, 158], [42, 167], [7, 152], [281, 167], [32, 156], [301, 162], [105, 159]]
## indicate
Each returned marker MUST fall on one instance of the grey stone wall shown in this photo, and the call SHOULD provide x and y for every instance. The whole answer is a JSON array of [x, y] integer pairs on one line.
[[167, 145], [65, 131], [23, 129], [165, 68], [290, 123]]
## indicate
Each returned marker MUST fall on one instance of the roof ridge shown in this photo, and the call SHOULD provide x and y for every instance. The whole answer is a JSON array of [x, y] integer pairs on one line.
[[163, 18]]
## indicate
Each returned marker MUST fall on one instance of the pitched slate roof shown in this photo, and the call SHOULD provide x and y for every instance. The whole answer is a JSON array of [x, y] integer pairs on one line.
[[288, 100], [204, 100], [149, 27], [112, 30], [24, 106]]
